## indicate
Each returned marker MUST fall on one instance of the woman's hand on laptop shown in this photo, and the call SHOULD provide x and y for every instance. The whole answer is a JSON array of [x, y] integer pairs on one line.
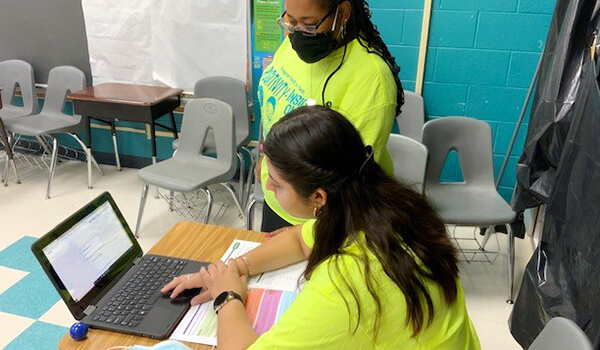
[[188, 281], [220, 278]]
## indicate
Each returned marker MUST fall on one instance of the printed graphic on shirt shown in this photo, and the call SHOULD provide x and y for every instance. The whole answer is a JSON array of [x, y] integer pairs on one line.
[[283, 94]]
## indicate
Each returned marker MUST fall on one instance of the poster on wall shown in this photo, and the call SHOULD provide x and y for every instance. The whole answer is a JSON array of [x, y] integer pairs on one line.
[[160, 42], [267, 36]]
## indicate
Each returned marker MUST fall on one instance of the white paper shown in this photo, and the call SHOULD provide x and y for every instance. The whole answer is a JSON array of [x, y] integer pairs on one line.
[[201, 319], [160, 42]]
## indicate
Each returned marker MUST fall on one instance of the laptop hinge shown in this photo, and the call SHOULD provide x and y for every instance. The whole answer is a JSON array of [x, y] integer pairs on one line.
[[88, 310], [137, 260]]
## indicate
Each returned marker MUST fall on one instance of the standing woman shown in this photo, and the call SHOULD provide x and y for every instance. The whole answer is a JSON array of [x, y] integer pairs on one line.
[[333, 56]]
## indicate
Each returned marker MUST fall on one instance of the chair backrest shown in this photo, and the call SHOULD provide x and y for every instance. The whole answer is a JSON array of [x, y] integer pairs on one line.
[[412, 117], [559, 334], [233, 92], [199, 118], [13, 72], [471, 139], [61, 81], [410, 160]]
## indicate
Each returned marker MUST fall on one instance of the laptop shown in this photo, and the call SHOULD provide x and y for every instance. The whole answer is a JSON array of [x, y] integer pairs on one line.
[[99, 270]]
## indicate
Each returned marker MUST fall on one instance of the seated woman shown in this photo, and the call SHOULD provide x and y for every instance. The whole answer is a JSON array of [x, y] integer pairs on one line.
[[382, 272]]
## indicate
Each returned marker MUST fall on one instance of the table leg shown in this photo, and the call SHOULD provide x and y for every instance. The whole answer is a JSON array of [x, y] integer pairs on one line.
[[174, 126], [115, 144], [153, 140], [88, 130]]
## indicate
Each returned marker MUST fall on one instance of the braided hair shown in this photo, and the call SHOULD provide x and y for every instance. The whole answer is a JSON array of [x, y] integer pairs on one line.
[[361, 27]]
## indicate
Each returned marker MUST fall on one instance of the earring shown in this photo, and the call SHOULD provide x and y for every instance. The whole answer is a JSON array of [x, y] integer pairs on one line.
[[317, 211]]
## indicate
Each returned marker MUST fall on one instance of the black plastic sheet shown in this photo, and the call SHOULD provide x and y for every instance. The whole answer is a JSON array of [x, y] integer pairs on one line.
[[560, 167]]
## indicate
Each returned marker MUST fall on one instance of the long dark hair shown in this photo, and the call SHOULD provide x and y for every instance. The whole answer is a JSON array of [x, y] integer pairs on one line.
[[316, 147], [361, 27]]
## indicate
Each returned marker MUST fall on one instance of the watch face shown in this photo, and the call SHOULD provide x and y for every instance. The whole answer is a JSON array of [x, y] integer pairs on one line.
[[220, 298]]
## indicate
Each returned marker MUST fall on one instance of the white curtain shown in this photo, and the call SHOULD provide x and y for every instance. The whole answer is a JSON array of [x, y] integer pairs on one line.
[[166, 42]]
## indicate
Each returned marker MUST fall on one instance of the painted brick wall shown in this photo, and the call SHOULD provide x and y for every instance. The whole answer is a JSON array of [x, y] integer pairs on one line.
[[481, 58]]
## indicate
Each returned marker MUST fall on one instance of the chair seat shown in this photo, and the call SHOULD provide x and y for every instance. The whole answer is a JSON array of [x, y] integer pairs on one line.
[[7, 113], [183, 175], [473, 207], [40, 124]]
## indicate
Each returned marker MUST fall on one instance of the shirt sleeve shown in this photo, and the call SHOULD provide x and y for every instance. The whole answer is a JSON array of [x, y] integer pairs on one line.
[[308, 233]]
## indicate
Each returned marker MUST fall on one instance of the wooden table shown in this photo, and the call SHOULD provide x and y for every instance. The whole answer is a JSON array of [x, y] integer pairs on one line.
[[186, 240], [134, 103]]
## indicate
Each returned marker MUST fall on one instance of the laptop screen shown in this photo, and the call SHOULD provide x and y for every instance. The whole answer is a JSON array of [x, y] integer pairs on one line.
[[82, 255], [87, 253]]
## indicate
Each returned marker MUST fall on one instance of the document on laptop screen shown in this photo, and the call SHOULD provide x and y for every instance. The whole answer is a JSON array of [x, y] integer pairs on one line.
[[83, 254]]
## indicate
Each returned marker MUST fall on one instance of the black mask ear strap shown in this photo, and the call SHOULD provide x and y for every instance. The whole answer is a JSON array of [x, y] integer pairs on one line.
[[328, 103]]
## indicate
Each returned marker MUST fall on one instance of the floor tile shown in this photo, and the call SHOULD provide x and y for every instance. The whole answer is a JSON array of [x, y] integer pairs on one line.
[[12, 326], [10, 277], [39, 336]]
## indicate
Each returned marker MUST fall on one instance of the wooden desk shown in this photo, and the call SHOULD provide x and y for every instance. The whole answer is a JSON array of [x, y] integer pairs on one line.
[[187, 240], [135, 103]]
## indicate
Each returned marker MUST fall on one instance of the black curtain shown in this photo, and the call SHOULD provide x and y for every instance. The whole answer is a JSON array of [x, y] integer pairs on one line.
[[560, 167]]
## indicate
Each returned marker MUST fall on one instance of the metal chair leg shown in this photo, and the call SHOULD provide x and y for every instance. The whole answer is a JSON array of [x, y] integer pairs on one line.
[[52, 165], [511, 263], [209, 203], [249, 177], [241, 188], [235, 198], [488, 233], [5, 170], [171, 195], [141, 209], [115, 145], [14, 166], [250, 213]]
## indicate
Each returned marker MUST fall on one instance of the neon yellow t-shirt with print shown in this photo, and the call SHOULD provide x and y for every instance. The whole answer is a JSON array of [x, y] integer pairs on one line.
[[363, 90], [319, 319]]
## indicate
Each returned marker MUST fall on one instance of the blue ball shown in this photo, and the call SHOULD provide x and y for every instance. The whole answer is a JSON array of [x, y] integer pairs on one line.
[[78, 331]]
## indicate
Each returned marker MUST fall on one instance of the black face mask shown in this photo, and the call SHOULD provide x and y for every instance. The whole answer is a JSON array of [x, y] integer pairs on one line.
[[312, 49]]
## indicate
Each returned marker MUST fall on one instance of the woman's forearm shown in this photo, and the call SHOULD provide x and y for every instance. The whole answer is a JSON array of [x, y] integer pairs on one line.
[[234, 331], [282, 250]]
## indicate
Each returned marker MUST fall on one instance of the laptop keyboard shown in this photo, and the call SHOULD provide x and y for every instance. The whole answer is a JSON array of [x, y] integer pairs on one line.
[[135, 299]]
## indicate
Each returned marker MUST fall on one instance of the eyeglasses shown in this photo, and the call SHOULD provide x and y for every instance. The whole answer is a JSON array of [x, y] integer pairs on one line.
[[310, 30]]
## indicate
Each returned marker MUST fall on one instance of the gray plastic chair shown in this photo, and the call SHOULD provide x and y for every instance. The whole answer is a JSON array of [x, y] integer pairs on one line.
[[412, 117], [233, 92], [189, 170], [410, 160], [13, 73], [256, 196], [560, 334], [474, 202], [51, 120]]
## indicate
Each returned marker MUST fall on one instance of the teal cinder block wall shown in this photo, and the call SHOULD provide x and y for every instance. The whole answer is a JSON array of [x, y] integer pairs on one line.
[[482, 55]]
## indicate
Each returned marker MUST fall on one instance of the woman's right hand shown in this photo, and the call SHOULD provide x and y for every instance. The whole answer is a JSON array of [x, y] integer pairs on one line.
[[188, 281]]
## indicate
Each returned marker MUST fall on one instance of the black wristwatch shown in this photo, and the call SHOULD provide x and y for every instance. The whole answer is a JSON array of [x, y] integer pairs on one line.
[[225, 297]]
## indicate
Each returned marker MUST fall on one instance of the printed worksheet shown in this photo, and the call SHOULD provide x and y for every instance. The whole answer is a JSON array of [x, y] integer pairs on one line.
[[269, 296]]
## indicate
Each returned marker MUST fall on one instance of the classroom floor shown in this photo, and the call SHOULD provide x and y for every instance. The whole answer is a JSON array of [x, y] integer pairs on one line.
[[33, 316]]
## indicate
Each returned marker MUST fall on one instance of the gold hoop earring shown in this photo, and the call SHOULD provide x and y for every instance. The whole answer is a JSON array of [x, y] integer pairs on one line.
[[316, 211]]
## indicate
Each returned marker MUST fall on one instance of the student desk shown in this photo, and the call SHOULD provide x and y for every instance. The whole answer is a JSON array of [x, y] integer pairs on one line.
[[187, 240], [134, 103]]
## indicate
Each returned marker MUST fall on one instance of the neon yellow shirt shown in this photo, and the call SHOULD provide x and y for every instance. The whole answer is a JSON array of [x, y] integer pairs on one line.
[[319, 319], [363, 90]]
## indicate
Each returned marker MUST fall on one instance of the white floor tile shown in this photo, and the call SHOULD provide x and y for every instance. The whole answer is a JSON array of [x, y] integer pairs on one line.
[[12, 326], [59, 314], [10, 277]]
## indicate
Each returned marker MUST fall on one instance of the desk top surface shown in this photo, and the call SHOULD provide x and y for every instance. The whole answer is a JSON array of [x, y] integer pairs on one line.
[[142, 95], [187, 240]]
